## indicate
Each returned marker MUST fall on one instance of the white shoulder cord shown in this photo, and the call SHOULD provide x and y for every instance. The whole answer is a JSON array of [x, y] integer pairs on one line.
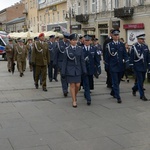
[[60, 49], [18, 51], [41, 50], [110, 51], [138, 56], [74, 58]]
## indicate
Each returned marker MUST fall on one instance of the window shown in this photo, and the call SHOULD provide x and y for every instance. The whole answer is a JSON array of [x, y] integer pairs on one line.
[[94, 6], [103, 5], [141, 2], [79, 7], [85, 7], [128, 3], [116, 3]]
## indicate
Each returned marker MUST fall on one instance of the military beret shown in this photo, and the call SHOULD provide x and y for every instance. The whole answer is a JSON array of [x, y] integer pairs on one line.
[[141, 36], [73, 36], [115, 32], [41, 34], [87, 37], [52, 36]]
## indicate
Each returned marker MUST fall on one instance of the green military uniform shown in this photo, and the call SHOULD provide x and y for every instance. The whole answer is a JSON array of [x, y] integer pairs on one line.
[[20, 57], [40, 58], [10, 55]]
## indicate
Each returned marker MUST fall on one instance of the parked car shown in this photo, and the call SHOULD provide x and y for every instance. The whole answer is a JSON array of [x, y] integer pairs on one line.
[[3, 41]]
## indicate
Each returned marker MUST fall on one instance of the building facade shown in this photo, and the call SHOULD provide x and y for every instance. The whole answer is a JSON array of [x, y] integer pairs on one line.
[[52, 15], [97, 17]]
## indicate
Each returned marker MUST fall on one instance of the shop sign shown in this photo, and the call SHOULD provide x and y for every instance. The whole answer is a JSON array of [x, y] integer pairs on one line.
[[76, 27], [116, 24], [134, 26], [89, 29]]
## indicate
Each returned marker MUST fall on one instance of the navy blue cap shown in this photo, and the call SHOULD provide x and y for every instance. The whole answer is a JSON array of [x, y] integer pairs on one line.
[[52, 36], [141, 36], [87, 37], [73, 36], [115, 32], [36, 38], [66, 35], [95, 39]]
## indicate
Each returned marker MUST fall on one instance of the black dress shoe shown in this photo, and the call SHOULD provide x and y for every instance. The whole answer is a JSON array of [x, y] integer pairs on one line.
[[9, 70], [50, 80], [119, 100], [88, 103], [65, 94], [56, 80], [112, 94], [44, 89], [36, 86], [133, 93], [143, 98], [21, 74]]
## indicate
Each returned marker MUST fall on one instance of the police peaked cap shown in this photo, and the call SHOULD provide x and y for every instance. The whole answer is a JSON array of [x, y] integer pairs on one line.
[[52, 36], [73, 36], [66, 35], [87, 37], [141, 36], [115, 32], [95, 39]]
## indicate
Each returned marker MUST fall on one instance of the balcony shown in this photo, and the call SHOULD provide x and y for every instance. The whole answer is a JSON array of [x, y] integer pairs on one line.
[[124, 13], [82, 18]]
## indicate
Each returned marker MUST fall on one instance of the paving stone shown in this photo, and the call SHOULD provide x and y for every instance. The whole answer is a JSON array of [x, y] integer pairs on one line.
[[5, 145], [37, 148]]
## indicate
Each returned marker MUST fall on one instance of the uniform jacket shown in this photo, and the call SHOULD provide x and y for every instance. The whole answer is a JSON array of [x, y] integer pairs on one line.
[[115, 57], [73, 62], [40, 54], [60, 50], [99, 50], [52, 49], [92, 60], [140, 57], [29, 51], [10, 50], [20, 53]]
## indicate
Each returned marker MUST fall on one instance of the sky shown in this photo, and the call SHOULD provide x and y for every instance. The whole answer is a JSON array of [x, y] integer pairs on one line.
[[7, 3]]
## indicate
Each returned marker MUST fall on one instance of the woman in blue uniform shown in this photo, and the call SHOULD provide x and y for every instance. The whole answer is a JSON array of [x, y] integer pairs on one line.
[[73, 67]]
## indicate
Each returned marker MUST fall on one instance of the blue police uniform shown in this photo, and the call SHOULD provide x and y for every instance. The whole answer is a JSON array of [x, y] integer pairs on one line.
[[91, 60], [73, 65], [58, 59], [52, 69], [140, 62], [114, 56]]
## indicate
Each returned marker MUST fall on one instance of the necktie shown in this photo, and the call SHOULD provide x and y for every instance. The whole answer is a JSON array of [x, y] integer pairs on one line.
[[87, 48]]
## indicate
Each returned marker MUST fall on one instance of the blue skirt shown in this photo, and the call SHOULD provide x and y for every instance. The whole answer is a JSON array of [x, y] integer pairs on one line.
[[73, 79]]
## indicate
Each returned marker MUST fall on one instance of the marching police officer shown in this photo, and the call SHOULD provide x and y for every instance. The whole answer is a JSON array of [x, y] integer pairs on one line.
[[108, 39], [58, 59], [140, 62], [40, 59], [92, 60], [73, 67], [10, 52], [21, 56], [114, 56], [52, 49]]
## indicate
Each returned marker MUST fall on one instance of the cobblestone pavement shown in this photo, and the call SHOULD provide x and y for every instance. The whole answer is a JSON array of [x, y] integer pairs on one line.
[[31, 119]]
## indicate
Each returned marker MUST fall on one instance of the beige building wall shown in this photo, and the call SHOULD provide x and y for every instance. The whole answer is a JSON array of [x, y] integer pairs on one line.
[[51, 15]]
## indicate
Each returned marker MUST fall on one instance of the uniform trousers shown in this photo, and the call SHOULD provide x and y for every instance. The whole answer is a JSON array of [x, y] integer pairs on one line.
[[9, 63], [86, 86], [21, 65], [64, 82], [116, 78], [140, 76], [43, 71], [52, 71]]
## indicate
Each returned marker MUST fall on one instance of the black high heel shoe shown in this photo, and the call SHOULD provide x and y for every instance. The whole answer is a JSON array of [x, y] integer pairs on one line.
[[74, 105]]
